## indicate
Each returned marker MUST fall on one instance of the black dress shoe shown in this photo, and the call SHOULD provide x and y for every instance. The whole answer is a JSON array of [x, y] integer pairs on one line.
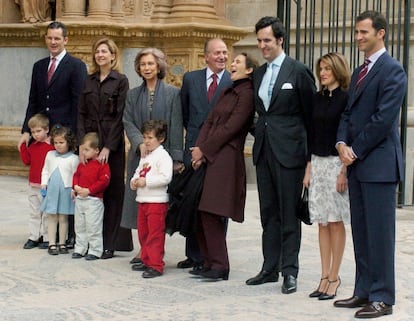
[[150, 273], [197, 270], [138, 267], [43, 245], [107, 254], [185, 264], [91, 257], [289, 284], [30, 244], [70, 242], [76, 255], [215, 274], [263, 277], [135, 260], [352, 302], [374, 310]]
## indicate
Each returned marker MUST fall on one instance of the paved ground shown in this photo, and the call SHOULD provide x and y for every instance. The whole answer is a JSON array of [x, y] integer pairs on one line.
[[36, 286]]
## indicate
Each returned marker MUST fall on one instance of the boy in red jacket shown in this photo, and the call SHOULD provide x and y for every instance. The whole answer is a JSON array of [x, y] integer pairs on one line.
[[89, 183], [34, 154]]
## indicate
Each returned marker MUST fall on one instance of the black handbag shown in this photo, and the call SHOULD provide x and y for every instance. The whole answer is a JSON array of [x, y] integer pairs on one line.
[[302, 211]]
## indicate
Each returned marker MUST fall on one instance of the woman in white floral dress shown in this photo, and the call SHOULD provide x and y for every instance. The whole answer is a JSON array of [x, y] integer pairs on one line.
[[325, 175]]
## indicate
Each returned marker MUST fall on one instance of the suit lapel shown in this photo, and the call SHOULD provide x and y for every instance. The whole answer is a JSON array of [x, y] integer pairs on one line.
[[257, 80], [283, 76], [371, 74], [60, 67]]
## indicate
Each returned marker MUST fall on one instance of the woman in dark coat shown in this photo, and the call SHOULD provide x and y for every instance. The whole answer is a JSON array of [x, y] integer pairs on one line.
[[221, 146], [101, 108]]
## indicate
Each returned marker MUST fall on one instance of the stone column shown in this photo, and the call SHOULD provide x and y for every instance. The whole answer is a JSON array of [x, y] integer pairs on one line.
[[161, 10], [99, 9], [117, 12], [193, 11], [74, 9]]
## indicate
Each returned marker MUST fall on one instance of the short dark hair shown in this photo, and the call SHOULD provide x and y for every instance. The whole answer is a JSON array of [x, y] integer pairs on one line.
[[378, 20], [275, 22], [59, 130], [58, 25], [251, 62], [159, 127]]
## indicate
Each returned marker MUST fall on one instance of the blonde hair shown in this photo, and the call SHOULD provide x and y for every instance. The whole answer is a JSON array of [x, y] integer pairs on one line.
[[113, 48], [38, 120], [340, 68], [92, 138]]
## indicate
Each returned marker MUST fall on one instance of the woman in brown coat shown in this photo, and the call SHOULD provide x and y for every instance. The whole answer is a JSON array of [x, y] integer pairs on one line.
[[101, 107], [220, 145]]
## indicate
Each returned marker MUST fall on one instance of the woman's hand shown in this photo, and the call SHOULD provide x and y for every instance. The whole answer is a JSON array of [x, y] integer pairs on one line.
[[342, 181], [104, 155], [142, 150], [306, 178]]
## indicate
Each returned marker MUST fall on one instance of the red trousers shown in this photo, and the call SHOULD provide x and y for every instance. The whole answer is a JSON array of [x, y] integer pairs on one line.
[[151, 233]]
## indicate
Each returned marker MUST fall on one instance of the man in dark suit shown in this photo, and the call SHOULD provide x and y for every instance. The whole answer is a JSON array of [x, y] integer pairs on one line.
[[58, 97], [369, 143], [196, 107], [283, 95]]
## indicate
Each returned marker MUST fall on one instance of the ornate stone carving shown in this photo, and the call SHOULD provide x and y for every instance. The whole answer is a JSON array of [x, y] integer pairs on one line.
[[178, 65], [148, 7], [34, 10]]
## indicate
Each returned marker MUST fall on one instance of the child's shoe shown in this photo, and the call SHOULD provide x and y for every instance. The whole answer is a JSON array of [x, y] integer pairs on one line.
[[53, 250]]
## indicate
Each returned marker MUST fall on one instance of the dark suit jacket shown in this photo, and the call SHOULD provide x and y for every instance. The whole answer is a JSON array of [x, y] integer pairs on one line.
[[59, 99], [370, 122], [195, 104], [286, 121]]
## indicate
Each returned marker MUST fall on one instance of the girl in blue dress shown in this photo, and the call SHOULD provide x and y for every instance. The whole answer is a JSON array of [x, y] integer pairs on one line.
[[57, 174]]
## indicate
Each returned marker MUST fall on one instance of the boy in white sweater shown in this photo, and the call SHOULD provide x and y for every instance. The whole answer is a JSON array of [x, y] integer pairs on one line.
[[151, 180]]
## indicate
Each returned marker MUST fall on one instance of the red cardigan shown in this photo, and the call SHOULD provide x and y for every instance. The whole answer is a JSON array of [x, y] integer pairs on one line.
[[34, 156], [93, 175]]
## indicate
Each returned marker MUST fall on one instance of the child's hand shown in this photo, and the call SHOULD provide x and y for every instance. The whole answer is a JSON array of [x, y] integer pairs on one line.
[[43, 192], [141, 182], [133, 184], [83, 192]]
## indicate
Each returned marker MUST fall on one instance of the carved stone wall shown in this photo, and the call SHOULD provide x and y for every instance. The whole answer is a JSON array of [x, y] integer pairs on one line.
[[129, 23]]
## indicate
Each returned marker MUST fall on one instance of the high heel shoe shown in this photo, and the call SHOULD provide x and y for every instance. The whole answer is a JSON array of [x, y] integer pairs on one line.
[[317, 293], [215, 274], [326, 296]]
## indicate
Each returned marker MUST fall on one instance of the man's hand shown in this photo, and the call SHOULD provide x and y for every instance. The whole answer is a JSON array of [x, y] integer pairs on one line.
[[24, 139], [345, 154]]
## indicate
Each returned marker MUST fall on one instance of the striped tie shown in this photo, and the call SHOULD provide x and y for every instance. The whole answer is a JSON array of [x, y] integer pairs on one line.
[[363, 72]]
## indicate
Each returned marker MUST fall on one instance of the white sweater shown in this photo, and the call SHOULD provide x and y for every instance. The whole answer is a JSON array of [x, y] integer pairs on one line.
[[67, 165], [157, 178]]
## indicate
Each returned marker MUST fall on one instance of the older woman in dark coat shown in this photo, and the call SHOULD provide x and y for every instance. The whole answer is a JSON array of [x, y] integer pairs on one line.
[[220, 145]]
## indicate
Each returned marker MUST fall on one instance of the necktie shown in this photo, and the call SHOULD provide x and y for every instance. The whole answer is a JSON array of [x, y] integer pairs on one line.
[[212, 88], [272, 81], [51, 70], [363, 72]]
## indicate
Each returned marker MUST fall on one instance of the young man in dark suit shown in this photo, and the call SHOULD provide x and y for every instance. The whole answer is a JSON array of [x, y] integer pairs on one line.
[[56, 84], [283, 94], [196, 107], [369, 143]]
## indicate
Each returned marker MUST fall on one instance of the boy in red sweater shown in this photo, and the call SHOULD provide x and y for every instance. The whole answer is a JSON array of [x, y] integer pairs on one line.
[[89, 183], [33, 154]]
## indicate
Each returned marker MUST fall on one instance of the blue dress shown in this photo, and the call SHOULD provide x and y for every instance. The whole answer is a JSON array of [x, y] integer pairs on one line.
[[58, 199]]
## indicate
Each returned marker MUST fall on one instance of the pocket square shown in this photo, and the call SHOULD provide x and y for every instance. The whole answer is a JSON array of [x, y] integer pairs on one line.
[[287, 85]]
